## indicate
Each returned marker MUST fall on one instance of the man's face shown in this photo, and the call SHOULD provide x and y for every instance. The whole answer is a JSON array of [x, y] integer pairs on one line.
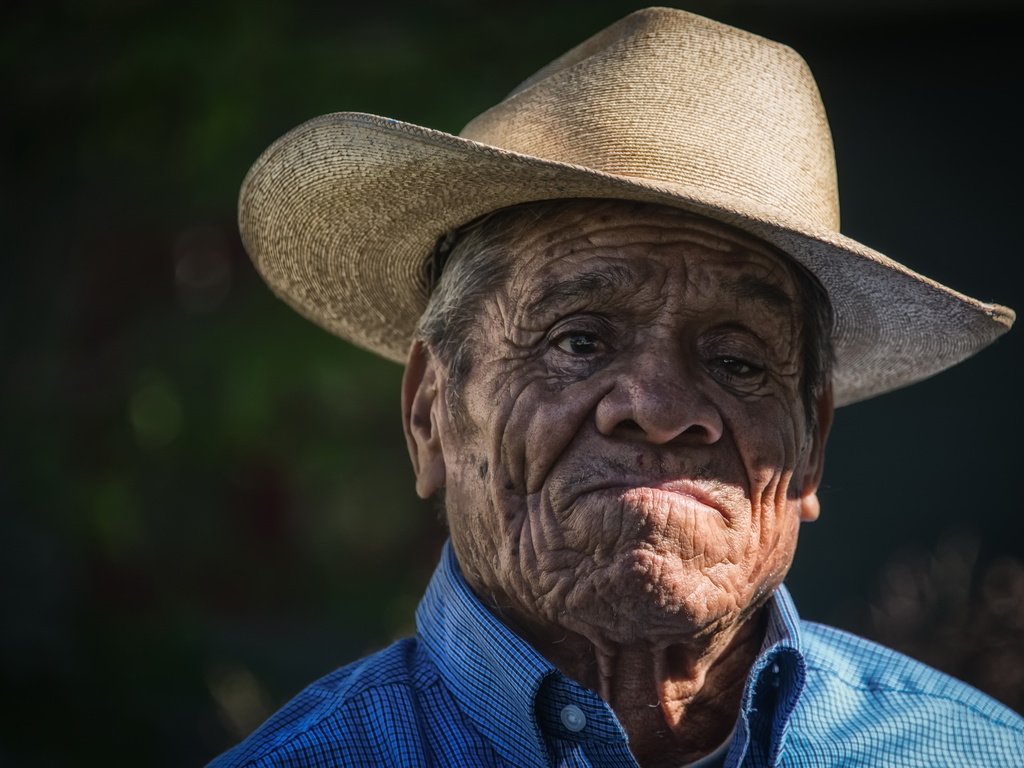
[[632, 457]]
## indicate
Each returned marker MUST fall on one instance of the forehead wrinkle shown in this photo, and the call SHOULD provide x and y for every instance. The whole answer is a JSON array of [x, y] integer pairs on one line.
[[753, 288], [548, 248], [667, 227], [600, 283]]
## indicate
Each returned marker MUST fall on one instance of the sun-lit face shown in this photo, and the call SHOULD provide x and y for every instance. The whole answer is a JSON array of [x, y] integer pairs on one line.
[[634, 457]]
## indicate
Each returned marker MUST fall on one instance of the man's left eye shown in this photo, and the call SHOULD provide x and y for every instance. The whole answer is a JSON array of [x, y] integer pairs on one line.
[[738, 368], [578, 343]]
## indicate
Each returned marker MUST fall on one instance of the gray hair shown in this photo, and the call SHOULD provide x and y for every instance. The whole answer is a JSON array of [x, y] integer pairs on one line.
[[473, 262]]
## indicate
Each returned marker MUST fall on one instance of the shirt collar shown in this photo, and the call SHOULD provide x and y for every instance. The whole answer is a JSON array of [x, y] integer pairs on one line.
[[492, 673], [773, 686]]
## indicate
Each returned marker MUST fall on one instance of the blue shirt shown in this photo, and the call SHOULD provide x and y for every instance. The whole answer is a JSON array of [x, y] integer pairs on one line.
[[467, 691]]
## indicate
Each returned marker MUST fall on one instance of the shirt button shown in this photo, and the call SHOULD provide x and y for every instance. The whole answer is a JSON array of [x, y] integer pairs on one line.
[[573, 718]]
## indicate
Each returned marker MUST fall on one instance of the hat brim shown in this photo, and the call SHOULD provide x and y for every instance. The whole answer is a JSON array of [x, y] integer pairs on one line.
[[340, 214]]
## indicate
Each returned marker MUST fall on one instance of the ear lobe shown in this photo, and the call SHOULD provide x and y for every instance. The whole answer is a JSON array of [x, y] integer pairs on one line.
[[421, 393], [810, 507]]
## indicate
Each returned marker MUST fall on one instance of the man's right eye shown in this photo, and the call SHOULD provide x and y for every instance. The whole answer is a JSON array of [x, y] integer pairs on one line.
[[578, 343]]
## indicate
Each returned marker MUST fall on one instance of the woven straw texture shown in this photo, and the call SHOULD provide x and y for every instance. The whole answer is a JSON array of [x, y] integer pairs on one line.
[[340, 214]]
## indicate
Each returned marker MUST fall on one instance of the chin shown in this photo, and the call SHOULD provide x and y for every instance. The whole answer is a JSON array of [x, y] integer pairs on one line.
[[647, 597]]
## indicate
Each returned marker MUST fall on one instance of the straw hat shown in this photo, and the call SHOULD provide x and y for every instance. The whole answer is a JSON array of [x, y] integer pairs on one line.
[[341, 214]]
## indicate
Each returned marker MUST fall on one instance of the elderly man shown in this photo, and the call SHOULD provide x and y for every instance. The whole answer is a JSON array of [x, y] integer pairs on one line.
[[626, 315]]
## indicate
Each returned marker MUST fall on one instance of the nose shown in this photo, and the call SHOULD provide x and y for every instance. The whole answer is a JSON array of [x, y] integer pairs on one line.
[[659, 401]]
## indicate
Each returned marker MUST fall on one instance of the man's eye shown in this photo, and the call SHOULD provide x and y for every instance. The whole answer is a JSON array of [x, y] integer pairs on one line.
[[578, 343], [737, 368]]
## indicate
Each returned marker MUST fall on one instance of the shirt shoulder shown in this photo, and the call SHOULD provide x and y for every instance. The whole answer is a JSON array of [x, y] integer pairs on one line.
[[364, 713], [864, 704]]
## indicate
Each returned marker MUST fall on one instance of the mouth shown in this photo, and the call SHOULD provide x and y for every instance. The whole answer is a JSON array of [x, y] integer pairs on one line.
[[663, 493]]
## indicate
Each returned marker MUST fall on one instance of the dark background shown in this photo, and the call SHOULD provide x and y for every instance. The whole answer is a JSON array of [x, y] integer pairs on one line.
[[206, 501]]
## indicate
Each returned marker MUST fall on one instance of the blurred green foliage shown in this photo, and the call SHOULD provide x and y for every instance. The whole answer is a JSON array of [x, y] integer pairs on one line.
[[207, 501]]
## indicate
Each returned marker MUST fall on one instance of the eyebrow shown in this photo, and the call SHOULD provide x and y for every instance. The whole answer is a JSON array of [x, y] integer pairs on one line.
[[608, 282], [603, 283], [751, 287]]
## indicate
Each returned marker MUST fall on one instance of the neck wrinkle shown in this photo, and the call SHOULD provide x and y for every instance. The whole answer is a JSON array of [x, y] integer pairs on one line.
[[677, 702]]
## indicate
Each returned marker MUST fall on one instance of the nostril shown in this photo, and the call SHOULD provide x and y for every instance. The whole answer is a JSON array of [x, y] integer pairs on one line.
[[646, 412], [692, 435]]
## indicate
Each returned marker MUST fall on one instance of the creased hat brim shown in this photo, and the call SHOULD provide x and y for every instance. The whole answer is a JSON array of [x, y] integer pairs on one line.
[[340, 214]]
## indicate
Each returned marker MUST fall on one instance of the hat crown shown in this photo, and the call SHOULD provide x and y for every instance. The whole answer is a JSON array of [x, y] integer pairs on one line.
[[670, 97]]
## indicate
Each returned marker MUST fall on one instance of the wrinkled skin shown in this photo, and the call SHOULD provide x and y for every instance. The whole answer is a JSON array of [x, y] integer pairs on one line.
[[626, 476]]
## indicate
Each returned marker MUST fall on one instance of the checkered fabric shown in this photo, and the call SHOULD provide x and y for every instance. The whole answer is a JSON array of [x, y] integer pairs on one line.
[[466, 691]]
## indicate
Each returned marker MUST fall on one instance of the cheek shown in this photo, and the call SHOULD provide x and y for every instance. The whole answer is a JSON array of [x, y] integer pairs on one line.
[[541, 422], [500, 463], [770, 441], [771, 456]]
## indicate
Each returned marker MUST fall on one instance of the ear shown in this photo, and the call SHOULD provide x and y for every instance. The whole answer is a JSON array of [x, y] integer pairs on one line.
[[810, 507], [421, 398]]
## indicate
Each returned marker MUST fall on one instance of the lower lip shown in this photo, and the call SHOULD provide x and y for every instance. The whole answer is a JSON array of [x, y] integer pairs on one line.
[[662, 496]]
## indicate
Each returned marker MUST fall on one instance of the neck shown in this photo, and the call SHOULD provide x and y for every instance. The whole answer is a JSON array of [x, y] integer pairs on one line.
[[677, 701]]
